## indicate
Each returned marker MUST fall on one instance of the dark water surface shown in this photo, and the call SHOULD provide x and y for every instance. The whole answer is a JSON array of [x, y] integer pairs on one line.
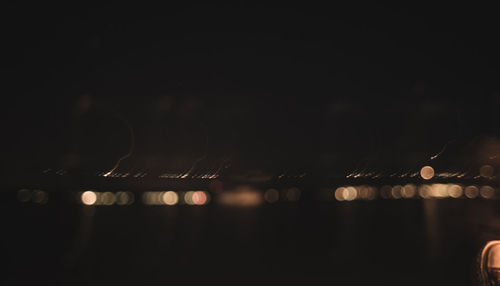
[[382, 242]]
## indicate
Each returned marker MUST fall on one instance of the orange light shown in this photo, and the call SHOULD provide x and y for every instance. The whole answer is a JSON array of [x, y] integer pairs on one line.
[[427, 172], [199, 198]]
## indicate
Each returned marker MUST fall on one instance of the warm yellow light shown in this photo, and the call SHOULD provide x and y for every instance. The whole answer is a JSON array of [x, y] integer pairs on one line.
[[427, 172], [350, 193], [170, 198], [455, 191], [88, 198], [339, 194], [408, 191]]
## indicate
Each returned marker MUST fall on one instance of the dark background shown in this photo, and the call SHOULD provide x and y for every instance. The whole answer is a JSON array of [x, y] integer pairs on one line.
[[259, 89]]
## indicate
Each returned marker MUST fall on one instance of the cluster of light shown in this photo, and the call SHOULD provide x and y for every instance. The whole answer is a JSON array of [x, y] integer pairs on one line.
[[171, 198], [410, 191], [121, 175], [106, 198], [186, 175], [36, 196], [455, 191], [350, 193]]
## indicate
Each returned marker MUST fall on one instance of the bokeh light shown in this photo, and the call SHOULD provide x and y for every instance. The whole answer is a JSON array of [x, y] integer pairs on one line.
[[487, 192], [88, 198], [170, 198], [471, 192], [427, 172]]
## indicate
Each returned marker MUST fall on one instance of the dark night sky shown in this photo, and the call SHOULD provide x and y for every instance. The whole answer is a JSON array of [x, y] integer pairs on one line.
[[267, 86]]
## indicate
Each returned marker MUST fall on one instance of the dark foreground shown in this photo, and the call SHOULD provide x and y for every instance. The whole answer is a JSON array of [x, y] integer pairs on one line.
[[382, 242]]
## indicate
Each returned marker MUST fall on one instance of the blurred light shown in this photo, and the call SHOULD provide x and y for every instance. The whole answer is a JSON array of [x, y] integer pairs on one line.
[[385, 192], [188, 198], [424, 191], [350, 193], [40, 197], [408, 191], [124, 198], [439, 191], [372, 193], [396, 191], [24, 195], [455, 191], [170, 198], [487, 192], [199, 198], [427, 172], [243, 196], [471, 192], [293, 194], [271, 195], [363, 192], [88, 198], [339, 194], [108, 198], [486, 171], [152, 198]]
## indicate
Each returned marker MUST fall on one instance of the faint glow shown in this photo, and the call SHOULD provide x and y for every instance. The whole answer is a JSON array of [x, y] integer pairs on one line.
[[188, 198], [124, 198], [487, 192], [486, 171], [471, 192], [170, 198], [271, 195], [385, 192], [40, 197], [24, 195], [396, 191], [293, 194], [427, 172], [243, 196], [350, 193], [88, 198], [372, 193], [339, 194], [455, 191], [199, 198], [108, 198], [152, 198], [408, 191]]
